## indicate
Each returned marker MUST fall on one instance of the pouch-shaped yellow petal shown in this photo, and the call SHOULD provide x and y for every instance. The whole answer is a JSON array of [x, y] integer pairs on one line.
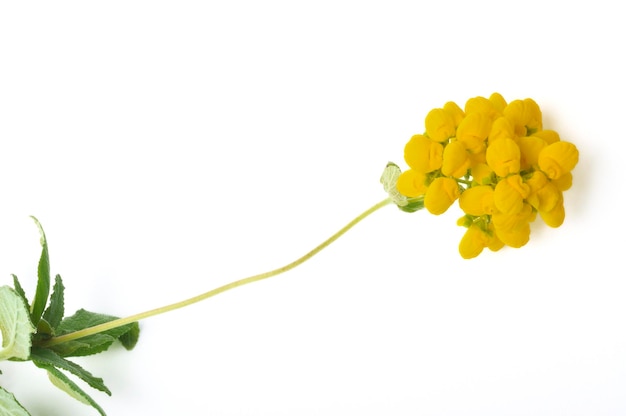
[[498, 101], [412, 183], [483, 106], [549, 136], [525, 116], [482, 174], [536, 183], [473, 242], [554, 217], [558, 159], [473, 132], [509, 194], [494, 243], [455, 160], [517, 237], [477, 200], [455, 111], [530, 147], [423, 154], [441, 193], [502, 221], [440, 125], [501, 129], [563, 182], [503, 156], [513, 229], [544, 194]]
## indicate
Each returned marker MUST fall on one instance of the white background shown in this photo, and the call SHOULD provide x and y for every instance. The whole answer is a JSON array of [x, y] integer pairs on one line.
[[171, 147]]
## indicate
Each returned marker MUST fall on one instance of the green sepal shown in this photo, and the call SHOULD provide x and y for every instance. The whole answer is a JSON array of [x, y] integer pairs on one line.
[[93, 344], [56, 309], [9, 406], [43, 278], [44, 358]]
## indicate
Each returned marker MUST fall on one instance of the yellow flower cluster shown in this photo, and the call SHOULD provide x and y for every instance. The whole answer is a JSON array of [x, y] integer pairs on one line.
[[498, 161]]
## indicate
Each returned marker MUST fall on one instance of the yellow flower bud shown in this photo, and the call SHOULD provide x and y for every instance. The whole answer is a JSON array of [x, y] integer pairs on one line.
[[558, 159], [440, 125], [423, 154], [503, 156], [412, 183], [441, 193]]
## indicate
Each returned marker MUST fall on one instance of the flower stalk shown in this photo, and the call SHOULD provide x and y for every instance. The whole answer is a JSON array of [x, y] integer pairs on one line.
[[237, 283]]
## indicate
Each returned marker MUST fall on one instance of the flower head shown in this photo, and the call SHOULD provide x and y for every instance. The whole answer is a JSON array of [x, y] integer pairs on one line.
[[496, 159]]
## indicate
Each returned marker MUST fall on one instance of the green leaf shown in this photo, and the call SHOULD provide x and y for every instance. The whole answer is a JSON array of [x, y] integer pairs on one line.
[[43, 278], [19, 290], [63, 382], [97, 343], [15, 325], [130, 338], [9, 406], [44, 358], [56, 309]]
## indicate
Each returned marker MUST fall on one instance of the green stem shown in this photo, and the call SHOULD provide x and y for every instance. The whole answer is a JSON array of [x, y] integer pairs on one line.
[[134, 318]]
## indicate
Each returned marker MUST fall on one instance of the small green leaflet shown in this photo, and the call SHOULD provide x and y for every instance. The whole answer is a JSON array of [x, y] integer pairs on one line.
[[15, 325], [9, 406]]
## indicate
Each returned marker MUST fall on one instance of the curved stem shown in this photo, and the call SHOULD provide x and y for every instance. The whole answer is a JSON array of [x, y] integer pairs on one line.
[[134, 318]]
